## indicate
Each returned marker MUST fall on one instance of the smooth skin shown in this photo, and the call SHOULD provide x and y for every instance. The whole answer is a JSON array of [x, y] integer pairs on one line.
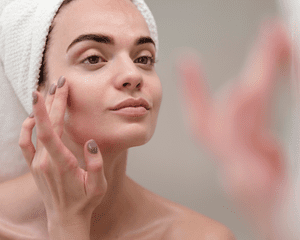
[[236, 127], [92, 198]]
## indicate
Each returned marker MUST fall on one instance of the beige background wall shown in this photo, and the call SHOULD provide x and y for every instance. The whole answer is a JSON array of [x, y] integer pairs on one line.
[[171, 164]]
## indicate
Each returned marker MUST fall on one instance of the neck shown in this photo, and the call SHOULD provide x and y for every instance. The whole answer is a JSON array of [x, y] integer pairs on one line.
[[114, 205]]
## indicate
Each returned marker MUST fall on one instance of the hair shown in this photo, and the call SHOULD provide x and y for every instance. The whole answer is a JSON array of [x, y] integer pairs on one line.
[[43, 75]]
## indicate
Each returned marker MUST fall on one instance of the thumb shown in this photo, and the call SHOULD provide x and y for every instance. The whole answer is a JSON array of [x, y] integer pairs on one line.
[[96, 184]]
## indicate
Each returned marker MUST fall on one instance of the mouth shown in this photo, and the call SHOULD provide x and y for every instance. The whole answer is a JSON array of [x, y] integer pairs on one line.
[[132, 103]]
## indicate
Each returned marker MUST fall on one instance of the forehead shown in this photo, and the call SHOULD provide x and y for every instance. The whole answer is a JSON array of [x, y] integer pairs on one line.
[[113, 17]]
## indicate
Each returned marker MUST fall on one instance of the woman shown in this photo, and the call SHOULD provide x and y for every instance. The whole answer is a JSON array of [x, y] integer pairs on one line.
[[99, 83]]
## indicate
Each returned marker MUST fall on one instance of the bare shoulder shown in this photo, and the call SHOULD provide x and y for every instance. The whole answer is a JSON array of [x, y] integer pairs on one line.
[[16, 197], [188, 224], [193, 225], [179, 222]]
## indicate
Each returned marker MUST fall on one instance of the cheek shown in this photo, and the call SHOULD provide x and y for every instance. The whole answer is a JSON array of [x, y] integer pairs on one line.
[[82, 125], [87, 91], [157, 94], [85, 109]]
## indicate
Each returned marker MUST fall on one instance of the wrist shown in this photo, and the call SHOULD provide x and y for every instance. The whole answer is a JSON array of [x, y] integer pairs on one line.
[[75, 228]]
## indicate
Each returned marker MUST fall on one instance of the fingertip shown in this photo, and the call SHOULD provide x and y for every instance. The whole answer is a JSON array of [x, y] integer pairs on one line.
[[271, 50], [25, 142], [35, 97], [92, 147], [188, 63], [63, 85], [28, 123], [185, 58], [96, 184], [35, 104], [61, 82], [274, 34], [31, 120]]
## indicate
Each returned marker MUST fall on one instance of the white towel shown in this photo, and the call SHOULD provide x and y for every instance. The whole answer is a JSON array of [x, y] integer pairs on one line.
[[24, 26]]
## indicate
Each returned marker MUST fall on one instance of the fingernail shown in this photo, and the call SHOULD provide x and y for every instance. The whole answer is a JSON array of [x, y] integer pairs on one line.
[[31, 115], [52, 89], [92, 147], [34, 98], [61, 81]]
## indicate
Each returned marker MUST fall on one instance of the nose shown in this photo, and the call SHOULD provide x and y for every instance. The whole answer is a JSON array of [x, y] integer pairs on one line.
[[129, 76]]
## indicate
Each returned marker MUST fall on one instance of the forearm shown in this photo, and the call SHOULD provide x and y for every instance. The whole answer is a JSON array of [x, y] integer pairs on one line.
[[75, 229]]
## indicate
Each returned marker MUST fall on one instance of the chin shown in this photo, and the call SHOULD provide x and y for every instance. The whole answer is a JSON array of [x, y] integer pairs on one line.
[[137, 136]]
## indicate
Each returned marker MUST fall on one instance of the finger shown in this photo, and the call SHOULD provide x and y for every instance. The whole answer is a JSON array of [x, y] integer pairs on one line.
[[25, 142], [272, 49], [58, 108], [96, 184], [45, 132], [251, 98], [50, 95], [271, 149], [195, 90]]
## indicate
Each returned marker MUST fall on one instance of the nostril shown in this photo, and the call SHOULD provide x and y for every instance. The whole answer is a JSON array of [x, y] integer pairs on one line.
[[139, 85], [126, 84]]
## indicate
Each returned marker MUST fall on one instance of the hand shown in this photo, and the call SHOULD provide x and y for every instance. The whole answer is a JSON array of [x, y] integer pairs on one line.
[[67, 190], [236, 126]]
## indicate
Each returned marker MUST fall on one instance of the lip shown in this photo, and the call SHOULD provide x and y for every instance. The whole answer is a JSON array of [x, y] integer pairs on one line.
[[132, 107], [132, 103]]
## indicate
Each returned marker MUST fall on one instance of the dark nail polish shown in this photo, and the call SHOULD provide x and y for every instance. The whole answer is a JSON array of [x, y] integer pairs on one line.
[[34, 98], [31, 115], [61, 82], [92, 147], [52, 89]]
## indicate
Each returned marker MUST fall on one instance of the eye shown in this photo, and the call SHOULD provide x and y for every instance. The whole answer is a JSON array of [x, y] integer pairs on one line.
[[92, 60], [145, 60]]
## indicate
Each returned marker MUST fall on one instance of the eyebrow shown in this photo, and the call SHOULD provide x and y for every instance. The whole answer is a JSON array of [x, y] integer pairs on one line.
[[107, 40]]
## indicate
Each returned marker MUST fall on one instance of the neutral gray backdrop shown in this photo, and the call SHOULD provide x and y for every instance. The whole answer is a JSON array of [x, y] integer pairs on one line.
[[172, 164]]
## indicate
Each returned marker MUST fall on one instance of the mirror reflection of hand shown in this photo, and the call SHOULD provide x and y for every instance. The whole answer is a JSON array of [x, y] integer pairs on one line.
[[236, 125], [67, 190]]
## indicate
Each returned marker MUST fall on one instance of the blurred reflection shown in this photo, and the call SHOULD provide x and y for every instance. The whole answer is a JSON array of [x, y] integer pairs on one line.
[[236, 127]]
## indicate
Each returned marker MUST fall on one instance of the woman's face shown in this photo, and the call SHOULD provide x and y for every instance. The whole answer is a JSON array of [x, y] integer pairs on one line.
[[111, 64]]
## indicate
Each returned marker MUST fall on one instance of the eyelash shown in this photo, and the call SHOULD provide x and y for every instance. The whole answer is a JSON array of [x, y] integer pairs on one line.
[[151, 59], [89, 57]]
